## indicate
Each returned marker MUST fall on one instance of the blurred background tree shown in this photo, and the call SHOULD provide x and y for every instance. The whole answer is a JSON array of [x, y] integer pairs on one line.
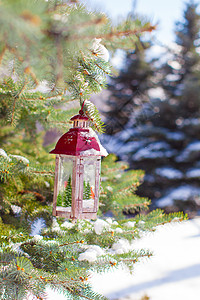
[[52, 57], [162, 136]]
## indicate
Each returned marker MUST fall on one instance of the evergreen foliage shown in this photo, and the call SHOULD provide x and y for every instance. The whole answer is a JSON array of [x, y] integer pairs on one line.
[[162, 136], [86, 190], [128, 92], [58, 51], [48, 58], [59, 200], [68, 194]]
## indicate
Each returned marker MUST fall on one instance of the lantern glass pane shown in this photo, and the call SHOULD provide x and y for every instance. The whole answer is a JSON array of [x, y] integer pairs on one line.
[[64, 196], [89, 183]]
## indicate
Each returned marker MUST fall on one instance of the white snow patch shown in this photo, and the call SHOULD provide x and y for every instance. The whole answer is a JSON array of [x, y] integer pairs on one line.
[[193, 173], [157, 93], [37, 237], [195, 146], [47, 184], [109, 188], [121, 246], [181, 193], [100, 50], [109, 220], [21, 158], [175, 136], [102, 152], [190, 152], [4, 154], [16, 209], [100, 226], [174, 64], [130, 224], [16, 247], [91, 254], [67, 224], [172, 273], [172, 77], [55, 226], [118, 230], [169, 173], [88, 203]]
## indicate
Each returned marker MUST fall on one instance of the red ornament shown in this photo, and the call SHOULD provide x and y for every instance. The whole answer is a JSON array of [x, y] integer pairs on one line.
[[77, 172]]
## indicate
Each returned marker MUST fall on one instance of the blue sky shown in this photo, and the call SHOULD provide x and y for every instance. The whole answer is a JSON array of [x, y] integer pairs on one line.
[[161, 12]]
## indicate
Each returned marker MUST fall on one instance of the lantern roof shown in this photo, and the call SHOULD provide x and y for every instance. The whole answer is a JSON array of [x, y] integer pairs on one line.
[[79, 140], [80, 116]]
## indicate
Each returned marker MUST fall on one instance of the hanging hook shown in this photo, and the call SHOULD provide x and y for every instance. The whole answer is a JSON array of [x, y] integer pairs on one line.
[[81, 110]]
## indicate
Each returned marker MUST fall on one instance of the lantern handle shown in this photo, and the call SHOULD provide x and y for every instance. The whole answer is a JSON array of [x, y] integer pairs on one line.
[[81, 110]]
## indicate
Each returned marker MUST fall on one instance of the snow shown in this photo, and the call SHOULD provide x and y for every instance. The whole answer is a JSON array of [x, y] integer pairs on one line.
[[121, 246], [130, 224], [103, 151], [67, 224], [181, 193], [191, 122], [37, 226], [172, 273], [109, 188], [91, 254], [64, 209], [4, 154], [169, 173], [100, 50], [16, 209], [37, 237], [172, 77], [175, 65], [157, 92], [100, 226], [20, 158], [118, 230], [154, 150], [150, 154], [193, 173], [191, 152], [195, 146], [88, 203], [175, 136]]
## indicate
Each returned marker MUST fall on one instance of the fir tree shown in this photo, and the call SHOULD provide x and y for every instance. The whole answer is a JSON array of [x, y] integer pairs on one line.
[[88, 191], [67, 197], [59, 200], [163, 137], [129, 90], [50, 54]]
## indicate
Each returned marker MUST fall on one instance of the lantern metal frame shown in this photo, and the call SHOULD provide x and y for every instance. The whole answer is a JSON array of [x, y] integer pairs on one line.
[[81, 146]]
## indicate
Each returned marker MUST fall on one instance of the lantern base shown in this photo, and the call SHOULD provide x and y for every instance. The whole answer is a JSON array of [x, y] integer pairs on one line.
[[64, 212]]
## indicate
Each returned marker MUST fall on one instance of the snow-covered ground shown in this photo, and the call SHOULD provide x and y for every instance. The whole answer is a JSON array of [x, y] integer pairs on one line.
[[173, 273]]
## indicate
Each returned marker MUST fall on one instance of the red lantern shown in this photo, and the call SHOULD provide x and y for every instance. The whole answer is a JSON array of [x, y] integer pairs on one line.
[[77, 171]]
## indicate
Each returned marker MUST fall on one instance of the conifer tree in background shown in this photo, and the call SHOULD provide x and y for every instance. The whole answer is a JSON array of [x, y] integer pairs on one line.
[[129, 91], [88, 191], [51, 55], [67, 201], [59, 200], [163, 138]]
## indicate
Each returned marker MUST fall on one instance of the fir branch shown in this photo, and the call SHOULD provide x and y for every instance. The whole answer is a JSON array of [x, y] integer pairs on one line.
[[15, 99], [113, 34], [2, 53]]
